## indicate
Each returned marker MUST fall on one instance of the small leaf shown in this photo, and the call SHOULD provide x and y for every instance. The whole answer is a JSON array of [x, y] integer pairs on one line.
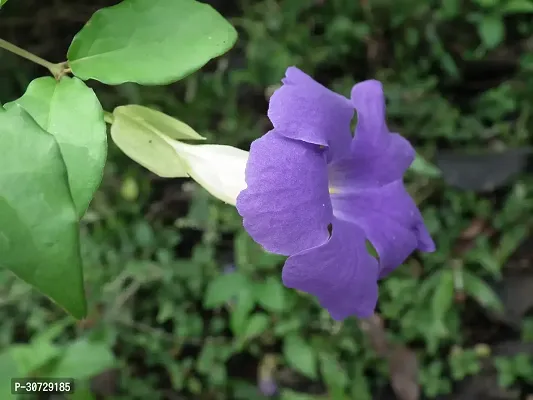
[[517, 6], [145, 145], [423, 167], [300, 356], [221, 289], [443, 297], [206, 358], [271, 294], [39, 233], [255, 326], [156, 121], [82, 360], [334, 375], [244, 304], [491, 31], [482, 172], [149, 42], [70, 111], [479, 290]]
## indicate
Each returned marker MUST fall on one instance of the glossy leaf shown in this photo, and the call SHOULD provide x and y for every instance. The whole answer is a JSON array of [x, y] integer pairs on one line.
[[39, 238], [149, 42], [2, 2], [70, 111]]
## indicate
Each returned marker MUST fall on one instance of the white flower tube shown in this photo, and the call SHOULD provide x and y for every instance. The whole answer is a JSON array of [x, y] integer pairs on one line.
[[149, 137], [217, 168]]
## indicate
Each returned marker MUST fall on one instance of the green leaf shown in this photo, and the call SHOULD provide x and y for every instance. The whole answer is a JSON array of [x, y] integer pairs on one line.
[[2, 2], [334, 375], [255, 326], [271, 294], [39, 233], [141, 140], [82, 359], [491, 30], [443, 297], [287, 394], [149, 42], [70, 111], [206, 358], [423, 167], [300, 356], [517, 6], [83, 392], [244, 304], [479, 290], [30, 358], [221, 289], [8, 369], [487, 3], [158, 122]]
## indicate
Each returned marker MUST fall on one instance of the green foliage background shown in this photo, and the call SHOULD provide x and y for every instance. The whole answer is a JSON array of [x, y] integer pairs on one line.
[[168, 321]]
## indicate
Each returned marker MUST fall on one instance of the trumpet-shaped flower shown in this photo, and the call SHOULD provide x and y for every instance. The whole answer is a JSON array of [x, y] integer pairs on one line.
[[316, 193]]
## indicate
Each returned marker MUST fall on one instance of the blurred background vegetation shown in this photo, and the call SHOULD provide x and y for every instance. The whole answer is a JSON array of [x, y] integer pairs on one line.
[[183, 305]]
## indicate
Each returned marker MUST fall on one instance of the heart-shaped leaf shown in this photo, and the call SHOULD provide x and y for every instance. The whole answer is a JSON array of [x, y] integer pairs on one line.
[[39, 238]]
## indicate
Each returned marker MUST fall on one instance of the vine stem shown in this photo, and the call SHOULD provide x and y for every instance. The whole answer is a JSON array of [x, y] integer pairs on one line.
[[58, 70]]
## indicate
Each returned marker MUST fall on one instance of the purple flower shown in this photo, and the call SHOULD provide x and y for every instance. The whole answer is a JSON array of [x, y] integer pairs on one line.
[[268, 387], [316, 194]]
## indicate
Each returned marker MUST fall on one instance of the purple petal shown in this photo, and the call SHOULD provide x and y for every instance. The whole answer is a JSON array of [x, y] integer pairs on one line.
[[389, 218], [378, 156], [303, 109], [286, 206], [340, 273]]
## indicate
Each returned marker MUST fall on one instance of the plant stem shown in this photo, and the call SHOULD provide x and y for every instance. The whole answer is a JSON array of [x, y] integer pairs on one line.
[[56, 69]]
